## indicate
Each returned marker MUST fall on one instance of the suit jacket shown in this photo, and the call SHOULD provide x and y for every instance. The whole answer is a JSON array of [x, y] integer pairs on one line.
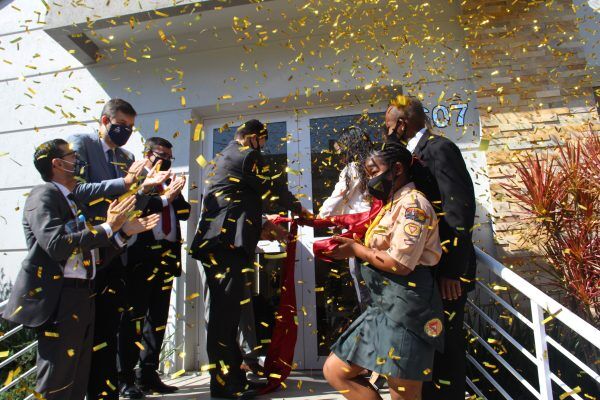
[[147, 252], [232, 209], [35, 294], [89, 148], [448, 186]]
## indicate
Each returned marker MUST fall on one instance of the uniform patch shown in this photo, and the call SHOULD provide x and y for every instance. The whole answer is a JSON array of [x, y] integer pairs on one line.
[[434, 327], [416, 214], [412, 229]]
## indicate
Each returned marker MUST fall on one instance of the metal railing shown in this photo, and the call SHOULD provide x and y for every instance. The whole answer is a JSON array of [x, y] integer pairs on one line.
[[540, 305], [16, 356]]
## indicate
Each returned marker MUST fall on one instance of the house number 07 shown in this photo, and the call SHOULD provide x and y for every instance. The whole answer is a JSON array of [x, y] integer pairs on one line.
[[441, 114]]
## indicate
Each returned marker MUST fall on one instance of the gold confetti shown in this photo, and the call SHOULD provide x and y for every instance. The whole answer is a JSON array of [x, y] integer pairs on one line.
[[99, 346], [201, 161]]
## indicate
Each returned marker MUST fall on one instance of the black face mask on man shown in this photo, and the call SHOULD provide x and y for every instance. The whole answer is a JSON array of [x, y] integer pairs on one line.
[[165, 165], [119, 133], [380, 187]]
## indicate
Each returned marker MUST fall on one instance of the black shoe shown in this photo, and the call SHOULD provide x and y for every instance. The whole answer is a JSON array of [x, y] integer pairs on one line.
[[130, 391], [242, 395], [155, 385], [258, 386]]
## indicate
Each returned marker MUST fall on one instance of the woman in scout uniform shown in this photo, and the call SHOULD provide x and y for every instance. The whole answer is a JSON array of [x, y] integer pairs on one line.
[[398, 333]]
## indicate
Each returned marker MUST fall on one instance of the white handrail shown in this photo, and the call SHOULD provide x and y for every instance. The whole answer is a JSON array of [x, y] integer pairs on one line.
[[583, 328]]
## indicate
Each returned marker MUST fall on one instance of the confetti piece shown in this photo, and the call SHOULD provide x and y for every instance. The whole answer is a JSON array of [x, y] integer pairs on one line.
[[70, 352], [110, 385], [199, 134], [100, 346], [207, 367], [192, 296], [4, 354], [201, 161], [568, 394], [51, 334]]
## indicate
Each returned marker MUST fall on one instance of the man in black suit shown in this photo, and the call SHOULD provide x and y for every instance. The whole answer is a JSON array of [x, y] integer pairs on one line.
[[107, 159], [448, 185], [225, 243], [53, 292], [154, 260]]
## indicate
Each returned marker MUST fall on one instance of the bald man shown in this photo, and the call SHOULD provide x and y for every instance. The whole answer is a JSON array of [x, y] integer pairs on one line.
[[448, 186]]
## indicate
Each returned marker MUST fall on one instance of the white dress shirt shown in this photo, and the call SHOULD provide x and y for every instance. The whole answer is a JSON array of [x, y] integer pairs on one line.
[[344, 199], [412, 143], [74, 266]]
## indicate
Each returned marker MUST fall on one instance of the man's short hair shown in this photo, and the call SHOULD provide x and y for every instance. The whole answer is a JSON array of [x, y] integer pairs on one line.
[[410, 107], [44, 154], [250, 127], [113, 106], [156, 141]]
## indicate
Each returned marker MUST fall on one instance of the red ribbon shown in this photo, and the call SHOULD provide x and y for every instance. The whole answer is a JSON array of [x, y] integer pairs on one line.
[[280, 356]]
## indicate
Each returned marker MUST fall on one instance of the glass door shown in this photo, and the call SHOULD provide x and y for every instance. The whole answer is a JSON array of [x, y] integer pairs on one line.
[[330, 301], [281, 153]]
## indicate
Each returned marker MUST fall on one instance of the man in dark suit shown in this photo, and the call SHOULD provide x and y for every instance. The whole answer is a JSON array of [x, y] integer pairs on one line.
[[446, 182], [54, 288], [154, 260], [225, 243], [107, 159]]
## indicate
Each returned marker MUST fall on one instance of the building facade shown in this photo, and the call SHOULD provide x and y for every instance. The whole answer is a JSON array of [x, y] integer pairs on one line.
[[498, 78]]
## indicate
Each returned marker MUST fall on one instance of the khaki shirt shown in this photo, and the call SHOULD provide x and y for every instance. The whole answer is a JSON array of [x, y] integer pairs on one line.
[[408, 230]]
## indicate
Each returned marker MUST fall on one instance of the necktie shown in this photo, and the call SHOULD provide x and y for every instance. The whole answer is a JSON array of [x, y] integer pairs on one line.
[[166, 220], [111, 159], [86, 256]]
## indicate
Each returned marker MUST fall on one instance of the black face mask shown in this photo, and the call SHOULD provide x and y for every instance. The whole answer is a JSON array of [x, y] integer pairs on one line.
[[164, 166], [395, 136], [380, 186], [119, 133]]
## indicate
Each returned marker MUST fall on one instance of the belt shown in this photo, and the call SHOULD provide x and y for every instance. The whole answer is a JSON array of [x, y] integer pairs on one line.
[[78, 283]]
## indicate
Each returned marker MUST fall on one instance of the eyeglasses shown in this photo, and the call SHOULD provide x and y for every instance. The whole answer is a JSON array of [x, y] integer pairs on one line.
[[163, 156], [68, 154]]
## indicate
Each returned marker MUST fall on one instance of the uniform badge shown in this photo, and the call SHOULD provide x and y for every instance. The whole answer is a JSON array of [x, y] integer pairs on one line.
[[434, 327], [412, 229], [416, 214]]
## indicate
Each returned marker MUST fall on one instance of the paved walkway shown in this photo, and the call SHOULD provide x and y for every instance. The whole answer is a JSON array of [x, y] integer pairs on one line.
[[305, 385]]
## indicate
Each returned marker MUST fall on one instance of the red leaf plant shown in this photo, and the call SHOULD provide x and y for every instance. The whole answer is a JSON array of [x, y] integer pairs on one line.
[[560, 194]]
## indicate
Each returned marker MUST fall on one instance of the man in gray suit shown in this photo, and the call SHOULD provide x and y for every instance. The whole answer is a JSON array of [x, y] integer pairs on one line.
[[107, 159], [53, 290]]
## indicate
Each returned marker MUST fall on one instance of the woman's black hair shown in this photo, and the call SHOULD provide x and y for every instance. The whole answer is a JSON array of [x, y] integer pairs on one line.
[[355, 146], [391, 153]]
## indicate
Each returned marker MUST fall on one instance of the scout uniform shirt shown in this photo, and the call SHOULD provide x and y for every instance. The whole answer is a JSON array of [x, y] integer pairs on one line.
[[405, 228]]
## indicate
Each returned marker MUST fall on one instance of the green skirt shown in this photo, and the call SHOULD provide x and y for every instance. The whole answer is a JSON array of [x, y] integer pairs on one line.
[[400, 331]]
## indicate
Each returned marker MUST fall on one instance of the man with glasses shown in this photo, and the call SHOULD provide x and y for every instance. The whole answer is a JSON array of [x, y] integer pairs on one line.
[[53, 292], [154, 260], [106, 159]]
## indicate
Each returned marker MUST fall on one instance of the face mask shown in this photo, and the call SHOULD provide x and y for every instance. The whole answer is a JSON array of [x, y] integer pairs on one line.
[[380, 187], [164, 166], [78, 167], [119, 134]]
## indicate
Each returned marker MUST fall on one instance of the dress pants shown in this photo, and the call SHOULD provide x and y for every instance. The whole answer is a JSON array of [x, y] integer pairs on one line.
[[110, 303], [451, 366], [65, 347], [247, 330], [223, 269], [148, 297]]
